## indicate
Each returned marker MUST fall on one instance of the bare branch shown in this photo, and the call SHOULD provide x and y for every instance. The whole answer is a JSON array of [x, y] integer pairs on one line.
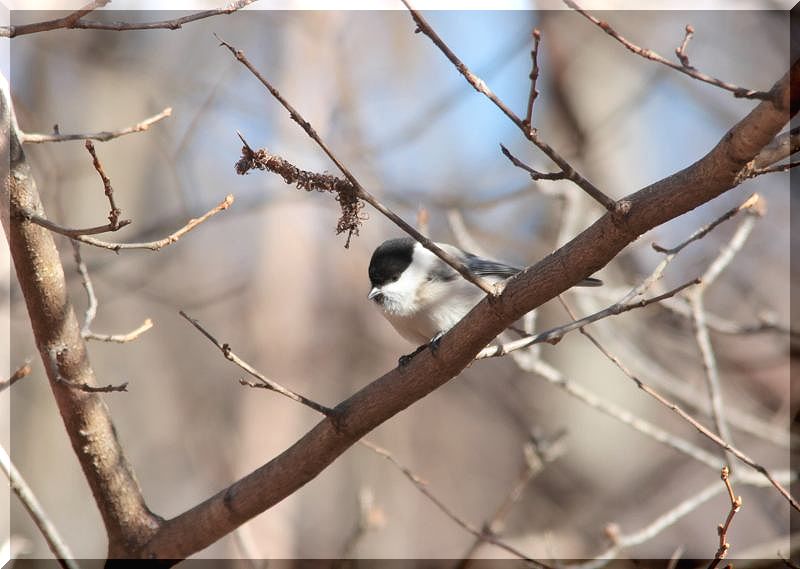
[[554, 335], [66, 22], [120, 338], [22, 371], [152, 245], [346, 194], [58, 359], [102, 136], [684, 446], [699, 427], [773, 169], [755, 207], [34, 509], [536, 455], [531, 134], [370, 517], [266, 383], [782, 146], [680, 51], [91, 308], [752, 203], [535, 174], [422, 487], [362, 193], [722, 529], [710, 367], [70, 232], [670, 517], [537, 35], [765, 322], [86, 388], [115, 212], [683, 67], [71, 23]]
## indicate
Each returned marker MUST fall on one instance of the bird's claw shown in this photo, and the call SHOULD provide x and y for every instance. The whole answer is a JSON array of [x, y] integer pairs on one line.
[[406, 359], [433, 345]]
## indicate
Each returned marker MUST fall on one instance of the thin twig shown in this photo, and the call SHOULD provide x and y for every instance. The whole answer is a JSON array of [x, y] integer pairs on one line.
[[726, 255], [73, 233], [537, 36], [536, 455], [724, 444], [739, 92], [91, 305], [422, 487], [22, 371], [765, 321], [554, 335], [680, 51], [152, 245], [114, 212], [772, 169], [669, 518], [85, 387], [535, 174], [370, 517], [272, 385], [71, 23], [91, 308], [102, 136], [751, 203], [361, 192], [694, 423], [531, 134], [782, 146], [66, 22], [722, 529], [710, 367], [34, 509], [266, 383], [682, 445], [120, 338], [57, 356], [345, 193]]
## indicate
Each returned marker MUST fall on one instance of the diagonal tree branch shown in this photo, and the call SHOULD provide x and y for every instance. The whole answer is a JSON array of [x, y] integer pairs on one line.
[[357, 189], [684, 66], [530, 133], [709, 177]]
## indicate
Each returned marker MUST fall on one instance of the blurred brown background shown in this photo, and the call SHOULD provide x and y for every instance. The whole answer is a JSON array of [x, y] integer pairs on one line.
[[270, 277]]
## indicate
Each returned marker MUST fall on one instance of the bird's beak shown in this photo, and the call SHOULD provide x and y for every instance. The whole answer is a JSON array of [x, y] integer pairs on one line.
[[374, 293]]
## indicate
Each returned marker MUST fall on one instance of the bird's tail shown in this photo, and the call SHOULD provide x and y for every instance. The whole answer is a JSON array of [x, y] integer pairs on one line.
[[590, 281]]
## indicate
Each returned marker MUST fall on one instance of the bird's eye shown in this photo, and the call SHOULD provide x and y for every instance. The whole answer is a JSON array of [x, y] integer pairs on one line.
[[395, 278]]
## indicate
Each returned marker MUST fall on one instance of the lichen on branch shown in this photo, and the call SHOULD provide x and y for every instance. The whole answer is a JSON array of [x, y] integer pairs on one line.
[[345, 192]]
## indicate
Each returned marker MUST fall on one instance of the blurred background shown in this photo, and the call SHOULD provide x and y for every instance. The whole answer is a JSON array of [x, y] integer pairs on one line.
[[271, 278]]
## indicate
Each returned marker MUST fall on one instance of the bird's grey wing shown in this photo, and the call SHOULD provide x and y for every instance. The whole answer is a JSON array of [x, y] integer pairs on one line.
[[488, 268]]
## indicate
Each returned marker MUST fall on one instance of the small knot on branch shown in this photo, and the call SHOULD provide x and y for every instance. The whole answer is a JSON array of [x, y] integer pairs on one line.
[[345, 192]]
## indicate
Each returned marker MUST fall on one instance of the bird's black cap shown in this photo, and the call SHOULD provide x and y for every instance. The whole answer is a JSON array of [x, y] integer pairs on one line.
[[390, 259]]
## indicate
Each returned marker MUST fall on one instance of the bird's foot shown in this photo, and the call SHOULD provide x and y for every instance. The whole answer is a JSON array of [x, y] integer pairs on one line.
[[406, 359], [433, 345]]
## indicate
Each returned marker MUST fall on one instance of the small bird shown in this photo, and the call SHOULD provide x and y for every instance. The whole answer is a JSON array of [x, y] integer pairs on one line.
[[421, 296]]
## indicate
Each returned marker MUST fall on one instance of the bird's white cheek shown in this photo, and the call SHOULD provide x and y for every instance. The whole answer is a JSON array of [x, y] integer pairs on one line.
[[396, 299]]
